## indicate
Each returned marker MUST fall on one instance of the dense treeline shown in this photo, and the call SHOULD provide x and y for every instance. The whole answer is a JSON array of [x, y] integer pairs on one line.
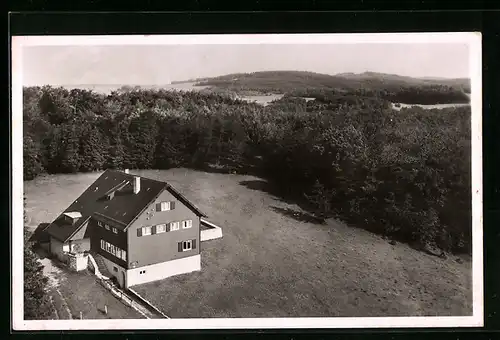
[[424, 95], [405, 174]]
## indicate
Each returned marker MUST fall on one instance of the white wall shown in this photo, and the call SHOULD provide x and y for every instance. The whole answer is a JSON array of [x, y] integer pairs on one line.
[[211, 234], [163, 270], [56, 248], [78, 262]]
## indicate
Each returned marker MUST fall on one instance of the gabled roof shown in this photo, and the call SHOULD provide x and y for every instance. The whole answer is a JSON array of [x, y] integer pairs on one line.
[[184, 200], [62, 230], [123, 209]]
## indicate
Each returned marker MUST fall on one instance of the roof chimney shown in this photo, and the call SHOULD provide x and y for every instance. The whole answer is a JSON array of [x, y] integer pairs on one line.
[[137, 184], [126, 171]]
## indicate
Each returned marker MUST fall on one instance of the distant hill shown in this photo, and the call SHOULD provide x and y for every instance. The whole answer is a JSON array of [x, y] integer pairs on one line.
[[462, 82], [285, 81], [302, 83]]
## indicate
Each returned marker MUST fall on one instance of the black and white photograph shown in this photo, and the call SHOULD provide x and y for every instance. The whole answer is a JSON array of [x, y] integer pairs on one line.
[[243, 181]]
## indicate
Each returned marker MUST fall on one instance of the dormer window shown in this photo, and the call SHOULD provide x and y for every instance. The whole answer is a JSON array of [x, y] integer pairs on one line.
[[72, 217], [110, 194]]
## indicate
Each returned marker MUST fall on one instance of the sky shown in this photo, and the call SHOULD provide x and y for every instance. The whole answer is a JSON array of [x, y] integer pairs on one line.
[[160, 64]]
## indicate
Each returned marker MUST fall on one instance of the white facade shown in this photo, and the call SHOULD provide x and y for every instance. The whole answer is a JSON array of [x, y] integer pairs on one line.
[[163, 270], [153, 272]]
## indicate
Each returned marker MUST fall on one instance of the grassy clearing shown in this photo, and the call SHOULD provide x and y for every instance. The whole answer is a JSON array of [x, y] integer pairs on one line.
[[274, 263]]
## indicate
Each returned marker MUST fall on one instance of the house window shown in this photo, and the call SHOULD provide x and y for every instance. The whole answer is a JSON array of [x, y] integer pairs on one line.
[[174, 226], [115, 230], [99, 223], [66, 247], [146, 230], [186, 245], [187, 224], [165, 206], [161, 228], [119, 253], [106, 226]]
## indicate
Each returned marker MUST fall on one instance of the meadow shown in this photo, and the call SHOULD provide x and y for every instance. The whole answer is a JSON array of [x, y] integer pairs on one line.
[[275, 260]]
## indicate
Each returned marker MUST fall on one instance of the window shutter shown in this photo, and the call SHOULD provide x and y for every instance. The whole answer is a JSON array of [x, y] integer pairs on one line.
[[179, 246], [139, 232], [158, 206], [194, 244], [172, 205], [153, 229]]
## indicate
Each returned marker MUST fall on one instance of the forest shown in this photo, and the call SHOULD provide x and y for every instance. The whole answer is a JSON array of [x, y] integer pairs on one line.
[[403, 174]]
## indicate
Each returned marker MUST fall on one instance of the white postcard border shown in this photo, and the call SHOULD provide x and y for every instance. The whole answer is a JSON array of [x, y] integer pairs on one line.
[[473, 39]]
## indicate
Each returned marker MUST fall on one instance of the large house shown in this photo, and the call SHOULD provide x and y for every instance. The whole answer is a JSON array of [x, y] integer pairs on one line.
[[141, 229]]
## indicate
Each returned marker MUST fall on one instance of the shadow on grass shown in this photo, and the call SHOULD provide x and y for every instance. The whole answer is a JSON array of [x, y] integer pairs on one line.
[[299, 216], [288, 197], [282, 194], [226, 168]]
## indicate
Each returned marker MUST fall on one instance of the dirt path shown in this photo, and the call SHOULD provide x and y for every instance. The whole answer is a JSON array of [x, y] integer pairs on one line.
[[54, 275]]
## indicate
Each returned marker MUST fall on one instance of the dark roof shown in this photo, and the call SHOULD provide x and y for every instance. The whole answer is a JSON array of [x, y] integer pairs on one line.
[[122, 209], [63, 230], [39, 235], [116, 187]]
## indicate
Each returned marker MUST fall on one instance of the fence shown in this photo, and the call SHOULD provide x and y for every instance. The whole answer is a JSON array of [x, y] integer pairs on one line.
[[149, 304], [118, 293]]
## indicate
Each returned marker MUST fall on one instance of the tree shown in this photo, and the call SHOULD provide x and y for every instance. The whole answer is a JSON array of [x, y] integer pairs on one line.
[[116, 153], [320, 198], [36, 299], [142, 135], [70, 156], [31, 159], [92, 150]]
